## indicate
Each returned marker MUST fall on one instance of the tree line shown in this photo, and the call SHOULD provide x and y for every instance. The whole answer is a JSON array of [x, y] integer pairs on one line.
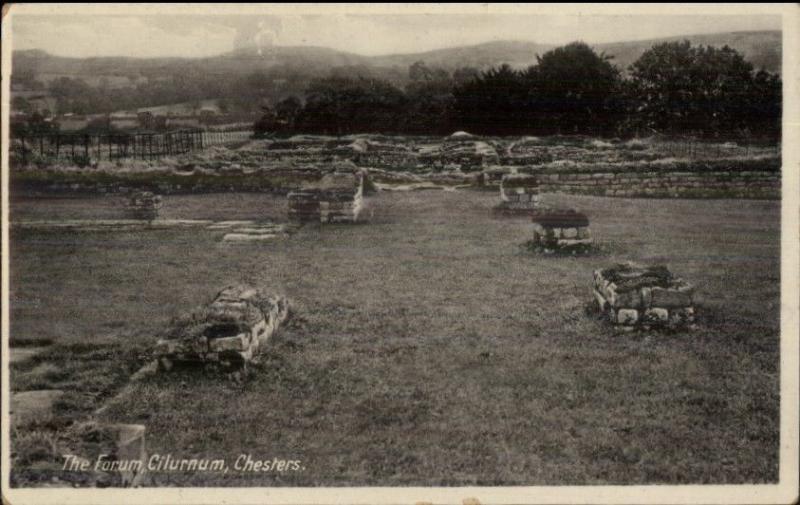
[[673, 88]]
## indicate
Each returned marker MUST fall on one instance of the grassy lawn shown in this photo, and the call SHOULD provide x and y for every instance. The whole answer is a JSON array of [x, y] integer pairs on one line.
[[427, 347]]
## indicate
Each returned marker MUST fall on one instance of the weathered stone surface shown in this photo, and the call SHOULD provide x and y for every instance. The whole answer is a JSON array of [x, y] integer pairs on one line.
[[651, 293], [656, 315], [229, 329], [561, 218], [674, 297], [336, 197], [627, 316], [569, 232]]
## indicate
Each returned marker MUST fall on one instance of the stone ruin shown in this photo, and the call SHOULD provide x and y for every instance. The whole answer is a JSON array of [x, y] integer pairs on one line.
[[492, 177], [635, 296], [228, 331], [519, 194], [335, 198], [561, 230], [457, 153], [144, 205]]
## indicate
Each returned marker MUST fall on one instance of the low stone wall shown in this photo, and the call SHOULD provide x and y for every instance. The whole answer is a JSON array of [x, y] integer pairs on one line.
[[750, 178], [668, 184]]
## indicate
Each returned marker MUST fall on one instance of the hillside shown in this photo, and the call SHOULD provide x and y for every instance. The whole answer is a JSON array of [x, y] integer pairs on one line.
[[245, 77], [763, 49], [515, 53]]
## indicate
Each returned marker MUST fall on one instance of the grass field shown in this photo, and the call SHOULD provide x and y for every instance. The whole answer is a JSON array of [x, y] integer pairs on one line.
[[427, 347]]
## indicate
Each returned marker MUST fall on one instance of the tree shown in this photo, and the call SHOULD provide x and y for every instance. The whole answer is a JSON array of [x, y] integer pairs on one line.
[[571, 90], [703, 90], [286, 112], [430, 100], [340, 105], [20, 104], [465, 74], [492, 103]]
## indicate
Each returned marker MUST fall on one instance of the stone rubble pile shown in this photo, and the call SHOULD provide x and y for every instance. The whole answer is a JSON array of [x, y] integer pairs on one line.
[[335, 198], [635, 296], [144, 205], [228, 331], [561, 230]]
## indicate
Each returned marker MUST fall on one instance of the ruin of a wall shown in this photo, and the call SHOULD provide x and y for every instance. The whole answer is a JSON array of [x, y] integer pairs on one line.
[[722, 178], [718, 184]]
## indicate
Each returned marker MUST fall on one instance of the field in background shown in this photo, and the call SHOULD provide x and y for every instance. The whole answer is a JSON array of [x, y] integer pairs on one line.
[[427, 347]]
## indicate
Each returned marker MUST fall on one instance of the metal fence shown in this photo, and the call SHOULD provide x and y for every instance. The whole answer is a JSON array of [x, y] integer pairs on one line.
[[144, 146]]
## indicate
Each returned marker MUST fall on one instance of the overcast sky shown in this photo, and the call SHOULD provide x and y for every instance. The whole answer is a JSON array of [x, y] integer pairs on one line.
[[206, 35]]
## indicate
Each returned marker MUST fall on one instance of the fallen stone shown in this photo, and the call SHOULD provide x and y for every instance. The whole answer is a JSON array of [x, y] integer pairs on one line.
[[248, 237]]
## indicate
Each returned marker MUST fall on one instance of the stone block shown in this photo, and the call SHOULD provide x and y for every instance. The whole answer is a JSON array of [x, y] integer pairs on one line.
[[647, 297], [656, 315], [631, 298], [602, 304], [566, 242], [237, 343], [627, 316], [569, 233], [677, 297]]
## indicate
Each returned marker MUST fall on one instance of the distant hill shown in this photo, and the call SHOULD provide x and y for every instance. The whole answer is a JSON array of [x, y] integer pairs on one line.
[[762, 48], [288, 70], [515, 53]]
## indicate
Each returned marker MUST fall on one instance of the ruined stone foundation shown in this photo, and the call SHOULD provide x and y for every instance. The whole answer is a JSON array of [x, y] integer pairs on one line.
[[635, 296]]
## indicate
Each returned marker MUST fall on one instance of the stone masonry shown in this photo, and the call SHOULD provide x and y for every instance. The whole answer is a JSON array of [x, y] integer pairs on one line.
[[335, 198], [228, 331], [634, 296], [561, 230]]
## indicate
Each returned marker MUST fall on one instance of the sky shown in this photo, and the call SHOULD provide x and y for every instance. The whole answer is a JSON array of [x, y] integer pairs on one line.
[[193, 35]]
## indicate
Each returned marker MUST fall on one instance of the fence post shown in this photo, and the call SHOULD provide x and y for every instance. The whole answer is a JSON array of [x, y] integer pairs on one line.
[[24, 156]]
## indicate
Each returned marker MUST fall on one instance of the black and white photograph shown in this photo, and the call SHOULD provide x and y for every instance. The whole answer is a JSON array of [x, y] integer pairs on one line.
[[417, 254]]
